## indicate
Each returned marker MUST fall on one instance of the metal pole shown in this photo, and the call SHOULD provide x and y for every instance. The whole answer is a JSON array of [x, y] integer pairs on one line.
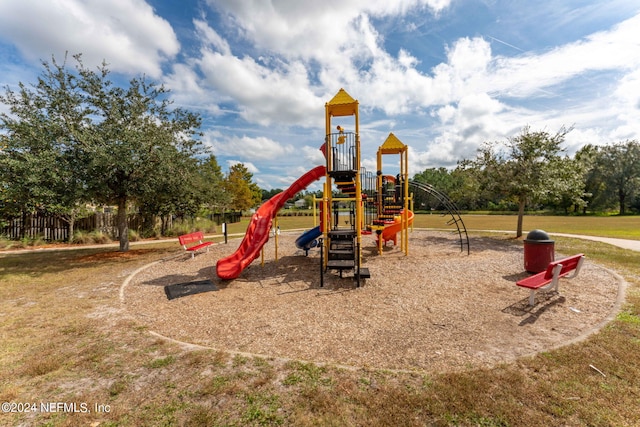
[[357, 265], [321, 241]]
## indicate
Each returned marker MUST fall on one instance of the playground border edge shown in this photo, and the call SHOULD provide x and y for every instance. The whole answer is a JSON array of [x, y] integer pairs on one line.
[[615, 310]]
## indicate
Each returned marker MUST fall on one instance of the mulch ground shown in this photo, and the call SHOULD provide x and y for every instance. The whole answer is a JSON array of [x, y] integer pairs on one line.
[[437, 309]]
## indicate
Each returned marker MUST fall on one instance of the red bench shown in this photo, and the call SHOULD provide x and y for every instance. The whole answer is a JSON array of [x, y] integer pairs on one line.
[[197, 237], [548, 279]]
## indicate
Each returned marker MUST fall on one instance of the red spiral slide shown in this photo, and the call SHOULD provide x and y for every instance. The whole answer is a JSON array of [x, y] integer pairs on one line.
[[258, 230]]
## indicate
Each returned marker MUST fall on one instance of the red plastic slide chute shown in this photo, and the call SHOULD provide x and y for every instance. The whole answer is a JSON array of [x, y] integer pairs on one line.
[[258, 230]]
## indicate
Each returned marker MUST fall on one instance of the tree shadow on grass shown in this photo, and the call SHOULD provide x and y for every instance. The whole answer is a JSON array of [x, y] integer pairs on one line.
[[39, 263]]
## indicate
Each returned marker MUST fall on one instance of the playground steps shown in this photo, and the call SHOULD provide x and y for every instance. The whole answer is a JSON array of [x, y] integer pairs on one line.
[[387, 217], [342, 234], [341, 264], [382, 222], [342, 253], [342, 244], [364, 273], [345, 175], [347, 187]]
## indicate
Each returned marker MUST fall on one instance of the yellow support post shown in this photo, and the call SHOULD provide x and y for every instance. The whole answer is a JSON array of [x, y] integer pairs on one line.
[[315, 220], [276, 231]]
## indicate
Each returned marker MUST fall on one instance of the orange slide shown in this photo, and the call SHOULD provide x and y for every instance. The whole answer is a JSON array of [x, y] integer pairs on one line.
[[391, 231], [258, 230]]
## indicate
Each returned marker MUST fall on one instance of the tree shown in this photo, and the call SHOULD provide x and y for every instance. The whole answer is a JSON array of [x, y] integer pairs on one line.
[[267, 194], [212, 184], [595, 195], [466, 193], [176, 190], [438, 178], [618, 166], [523, 168], [244, 193], [612, 175], [132, 138], [79, 136], [565, 184], [40, 168]]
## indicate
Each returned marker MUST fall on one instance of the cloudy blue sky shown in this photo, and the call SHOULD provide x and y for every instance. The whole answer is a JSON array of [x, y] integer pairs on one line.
[[442, 75]]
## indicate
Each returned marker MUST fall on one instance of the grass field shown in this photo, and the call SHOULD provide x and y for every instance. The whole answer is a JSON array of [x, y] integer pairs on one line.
[[624, 227], [67, 346]]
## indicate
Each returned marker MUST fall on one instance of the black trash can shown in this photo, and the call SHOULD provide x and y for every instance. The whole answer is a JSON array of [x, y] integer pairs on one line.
[[539, 251]]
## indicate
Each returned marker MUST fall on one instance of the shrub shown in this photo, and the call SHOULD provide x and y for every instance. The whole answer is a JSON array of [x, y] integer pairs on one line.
[[81, 237], [36, 241], [188, 226], [134, 236], [6, 243], [94, 237], [100, 237]]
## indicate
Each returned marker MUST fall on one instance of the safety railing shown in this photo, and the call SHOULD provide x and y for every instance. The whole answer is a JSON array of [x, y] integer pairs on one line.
[[343, 152]]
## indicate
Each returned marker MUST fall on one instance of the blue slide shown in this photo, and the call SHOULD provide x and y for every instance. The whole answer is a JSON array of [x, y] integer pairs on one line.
[[308, 239]]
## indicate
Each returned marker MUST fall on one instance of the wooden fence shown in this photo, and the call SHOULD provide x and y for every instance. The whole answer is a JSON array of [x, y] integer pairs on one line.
[[53, 227], [230, 217]]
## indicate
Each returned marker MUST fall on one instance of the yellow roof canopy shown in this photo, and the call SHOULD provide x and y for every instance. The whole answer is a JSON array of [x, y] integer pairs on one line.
[[392, 145], [342, 104]]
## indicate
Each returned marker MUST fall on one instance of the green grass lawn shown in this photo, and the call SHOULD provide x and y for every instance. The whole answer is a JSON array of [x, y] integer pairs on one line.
[[64, 338], [624, 227]]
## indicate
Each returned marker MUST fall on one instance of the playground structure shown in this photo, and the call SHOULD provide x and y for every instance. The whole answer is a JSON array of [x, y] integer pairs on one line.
[[355, 202]]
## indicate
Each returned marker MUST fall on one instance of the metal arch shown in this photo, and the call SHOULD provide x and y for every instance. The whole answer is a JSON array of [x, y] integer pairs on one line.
[[451, 208]]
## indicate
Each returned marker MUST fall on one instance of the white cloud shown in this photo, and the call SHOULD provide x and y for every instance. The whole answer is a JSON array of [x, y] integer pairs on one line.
[[313, 155], [628, 91], [265, 94], [462, 128], [250, 166], [531, 74], [580, 137], [310, 29], [247, 148], [269, 88], [210, 37], [627, 100], [333, 42], [187, 90], [127, 34]]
